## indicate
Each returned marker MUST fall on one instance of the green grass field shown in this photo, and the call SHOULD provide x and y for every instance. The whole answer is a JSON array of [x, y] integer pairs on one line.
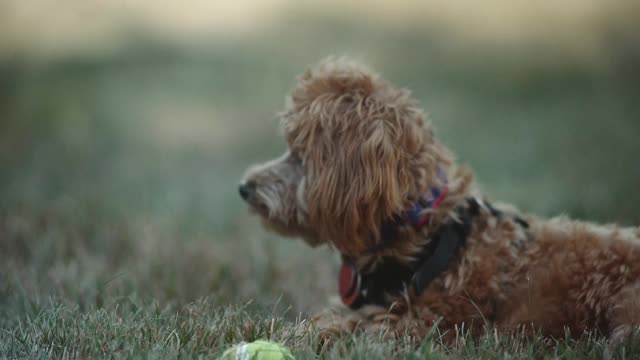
[[121, 232]]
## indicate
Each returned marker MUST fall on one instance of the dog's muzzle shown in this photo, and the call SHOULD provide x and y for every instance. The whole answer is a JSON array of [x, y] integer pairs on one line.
[[246, 189]]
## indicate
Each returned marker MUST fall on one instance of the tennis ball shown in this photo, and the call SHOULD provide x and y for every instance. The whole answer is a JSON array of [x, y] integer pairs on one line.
[[257, 350]]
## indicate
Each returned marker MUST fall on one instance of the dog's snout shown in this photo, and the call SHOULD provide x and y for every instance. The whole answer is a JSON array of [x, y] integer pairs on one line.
[[245, 189]]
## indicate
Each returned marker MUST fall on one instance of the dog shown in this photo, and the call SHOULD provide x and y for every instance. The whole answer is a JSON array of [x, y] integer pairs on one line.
[[420, 245]]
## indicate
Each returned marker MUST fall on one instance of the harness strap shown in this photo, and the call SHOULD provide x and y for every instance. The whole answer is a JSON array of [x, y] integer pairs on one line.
[[449, 239], [391, 277]]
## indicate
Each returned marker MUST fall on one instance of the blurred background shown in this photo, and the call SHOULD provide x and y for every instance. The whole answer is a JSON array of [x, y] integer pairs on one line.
[[126, 125]]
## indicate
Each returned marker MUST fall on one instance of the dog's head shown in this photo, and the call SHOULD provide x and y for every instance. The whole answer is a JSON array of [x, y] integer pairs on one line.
[[359, 149]]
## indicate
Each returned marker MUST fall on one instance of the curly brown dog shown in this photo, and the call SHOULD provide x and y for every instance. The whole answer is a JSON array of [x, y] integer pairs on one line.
[[364, 174]]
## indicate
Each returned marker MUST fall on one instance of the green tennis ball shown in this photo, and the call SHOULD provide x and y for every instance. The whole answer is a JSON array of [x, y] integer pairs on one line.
[[257, 350]]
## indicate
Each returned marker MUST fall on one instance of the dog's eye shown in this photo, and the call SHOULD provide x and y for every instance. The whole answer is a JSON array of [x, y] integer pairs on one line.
[[295, 159]]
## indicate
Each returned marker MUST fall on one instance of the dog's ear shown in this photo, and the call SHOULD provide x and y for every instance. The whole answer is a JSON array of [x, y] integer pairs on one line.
[[366, 147]]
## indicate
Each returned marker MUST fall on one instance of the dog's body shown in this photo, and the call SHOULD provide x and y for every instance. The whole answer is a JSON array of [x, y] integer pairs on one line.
[[360, 150]]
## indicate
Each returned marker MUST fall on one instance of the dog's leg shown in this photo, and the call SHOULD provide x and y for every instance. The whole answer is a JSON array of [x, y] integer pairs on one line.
[[384, 322], [334, 323], [624, 314]]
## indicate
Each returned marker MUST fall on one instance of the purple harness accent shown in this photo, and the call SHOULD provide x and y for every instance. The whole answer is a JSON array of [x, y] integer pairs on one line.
[[415, 212]]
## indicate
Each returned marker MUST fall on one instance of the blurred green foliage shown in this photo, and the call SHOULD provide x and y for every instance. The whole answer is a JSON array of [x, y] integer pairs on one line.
[[551, 134]]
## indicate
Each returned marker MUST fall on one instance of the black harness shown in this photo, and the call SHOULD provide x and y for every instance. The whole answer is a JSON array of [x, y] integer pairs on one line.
[[391, 277]]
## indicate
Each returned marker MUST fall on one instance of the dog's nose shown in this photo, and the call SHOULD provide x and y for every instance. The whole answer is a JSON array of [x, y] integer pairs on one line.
[[245, 189]]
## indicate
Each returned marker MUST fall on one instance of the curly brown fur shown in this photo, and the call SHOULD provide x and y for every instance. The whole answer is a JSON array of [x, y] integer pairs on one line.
[[360, 149]]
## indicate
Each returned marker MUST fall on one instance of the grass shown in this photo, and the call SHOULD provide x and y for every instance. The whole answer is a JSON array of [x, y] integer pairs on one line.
[[121, 233], [141, 328]]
